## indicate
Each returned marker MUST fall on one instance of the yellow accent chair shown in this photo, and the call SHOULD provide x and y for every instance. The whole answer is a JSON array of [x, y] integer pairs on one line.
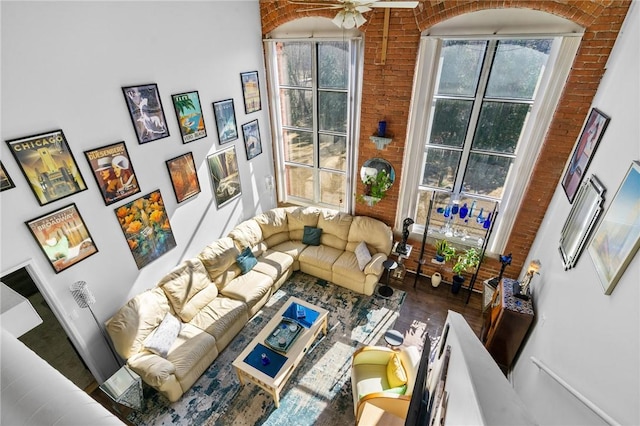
[[384, 377]]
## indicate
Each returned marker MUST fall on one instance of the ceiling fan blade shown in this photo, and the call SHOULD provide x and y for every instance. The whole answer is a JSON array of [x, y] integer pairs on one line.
[[310, 9], [394, 4], [332, 5]]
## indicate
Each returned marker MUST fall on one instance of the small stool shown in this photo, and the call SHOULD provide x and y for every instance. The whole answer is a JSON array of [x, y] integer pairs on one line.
[[393, 338], [385, 290]]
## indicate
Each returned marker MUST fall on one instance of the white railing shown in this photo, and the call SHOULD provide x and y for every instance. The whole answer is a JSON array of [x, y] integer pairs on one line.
[[573, 391]]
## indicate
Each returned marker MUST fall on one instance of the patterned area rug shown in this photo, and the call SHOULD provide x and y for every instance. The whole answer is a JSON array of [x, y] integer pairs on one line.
[[318, 392]]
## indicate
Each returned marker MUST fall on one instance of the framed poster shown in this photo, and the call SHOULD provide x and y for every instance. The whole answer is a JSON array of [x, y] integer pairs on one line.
[[184, 176], [250, 91], [585, 147], [113, 171], [145, 109], [252, 144], [223, 167], [63, 237], [225, 115], [189, 113], [617, 238], [5, 179], [48, 165], [146, 227]]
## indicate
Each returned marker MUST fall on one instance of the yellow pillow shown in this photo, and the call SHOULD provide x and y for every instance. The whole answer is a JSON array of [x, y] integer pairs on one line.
[[396, 376]]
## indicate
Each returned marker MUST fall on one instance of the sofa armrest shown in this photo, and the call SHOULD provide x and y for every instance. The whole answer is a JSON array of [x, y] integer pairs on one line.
[[153, 369], [375, 264]]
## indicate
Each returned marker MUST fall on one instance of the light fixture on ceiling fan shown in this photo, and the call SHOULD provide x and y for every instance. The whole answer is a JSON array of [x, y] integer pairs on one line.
[[351, 14]]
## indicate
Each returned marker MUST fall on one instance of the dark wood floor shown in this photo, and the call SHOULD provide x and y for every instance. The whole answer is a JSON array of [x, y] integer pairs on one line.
[[424, 308]]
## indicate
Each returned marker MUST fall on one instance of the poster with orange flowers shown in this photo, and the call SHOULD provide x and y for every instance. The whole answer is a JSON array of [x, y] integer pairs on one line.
[[146, 227]]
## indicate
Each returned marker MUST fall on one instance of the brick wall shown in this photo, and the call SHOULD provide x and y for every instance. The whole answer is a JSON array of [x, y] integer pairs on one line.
[[387, 95]]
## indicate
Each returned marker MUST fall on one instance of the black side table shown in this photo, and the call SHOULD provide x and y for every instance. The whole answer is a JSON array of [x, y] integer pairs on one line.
[[385, 290]]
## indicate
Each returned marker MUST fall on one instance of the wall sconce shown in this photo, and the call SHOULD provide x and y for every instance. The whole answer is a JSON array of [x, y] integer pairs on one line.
[[534, 268]]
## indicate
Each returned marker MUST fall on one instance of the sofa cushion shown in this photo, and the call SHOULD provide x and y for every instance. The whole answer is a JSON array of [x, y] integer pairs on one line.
[[375, 233], [311, 235], [184, 282], [220, 315], [292, 248], [246, 234], [133, 323], [396, 376], [162, 338], [193, 348], [335, 228], [274, 225], [371, 378], [362, 255], [321, 256], [249, 288], [274, 264], [246, 260], [347, 266], [219, 258], [300, 217]]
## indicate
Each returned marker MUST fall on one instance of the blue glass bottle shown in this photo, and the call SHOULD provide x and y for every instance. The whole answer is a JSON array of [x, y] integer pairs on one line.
[[487, 222], [480, 218], [463, 211]]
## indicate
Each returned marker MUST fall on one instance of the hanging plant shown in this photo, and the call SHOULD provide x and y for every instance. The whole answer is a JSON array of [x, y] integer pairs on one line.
[[375, 187]]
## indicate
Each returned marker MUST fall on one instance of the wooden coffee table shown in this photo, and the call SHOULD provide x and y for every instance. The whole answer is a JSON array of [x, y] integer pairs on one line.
[[307, 336]]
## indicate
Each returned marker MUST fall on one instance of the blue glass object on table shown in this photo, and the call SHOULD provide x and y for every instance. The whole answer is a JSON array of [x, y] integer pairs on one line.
[[265, 359]]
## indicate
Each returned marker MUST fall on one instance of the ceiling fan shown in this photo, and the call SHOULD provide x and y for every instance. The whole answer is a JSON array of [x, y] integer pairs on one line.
[[350, 11]]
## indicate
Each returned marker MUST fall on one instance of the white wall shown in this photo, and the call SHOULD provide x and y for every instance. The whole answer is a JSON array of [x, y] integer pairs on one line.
[[63, 66], [589, 339]]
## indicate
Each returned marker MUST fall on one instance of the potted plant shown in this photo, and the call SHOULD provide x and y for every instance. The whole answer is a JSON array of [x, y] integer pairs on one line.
[[469, 260], [375, 187], [444, 251]]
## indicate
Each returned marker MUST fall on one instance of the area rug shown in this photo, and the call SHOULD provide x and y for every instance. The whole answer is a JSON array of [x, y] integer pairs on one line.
[[319, 390]]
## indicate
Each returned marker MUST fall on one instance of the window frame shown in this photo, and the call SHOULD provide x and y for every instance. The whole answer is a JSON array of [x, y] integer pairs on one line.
[[354, 91], [555, 74]]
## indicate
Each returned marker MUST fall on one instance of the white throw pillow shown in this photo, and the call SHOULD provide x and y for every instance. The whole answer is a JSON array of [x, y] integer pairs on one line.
[[363, 255], [163, 337]]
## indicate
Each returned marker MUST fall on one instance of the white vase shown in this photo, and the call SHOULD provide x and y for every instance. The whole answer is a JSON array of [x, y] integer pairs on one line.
[[436, 278]]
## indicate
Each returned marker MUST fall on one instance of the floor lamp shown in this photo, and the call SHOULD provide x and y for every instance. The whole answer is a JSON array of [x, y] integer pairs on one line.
[[84, 298]]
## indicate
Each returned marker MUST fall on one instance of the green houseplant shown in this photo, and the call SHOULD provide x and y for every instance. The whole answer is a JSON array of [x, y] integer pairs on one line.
[[375, 187], [469, 260], [444, 251]]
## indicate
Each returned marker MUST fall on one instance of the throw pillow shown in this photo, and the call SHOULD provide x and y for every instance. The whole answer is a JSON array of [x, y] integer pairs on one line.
[[311, 235], [362, 255], [396, 376], [246, 260], [398, 391], [163, 337]]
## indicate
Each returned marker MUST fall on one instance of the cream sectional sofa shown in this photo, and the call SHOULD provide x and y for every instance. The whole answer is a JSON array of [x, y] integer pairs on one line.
[[171, 333]]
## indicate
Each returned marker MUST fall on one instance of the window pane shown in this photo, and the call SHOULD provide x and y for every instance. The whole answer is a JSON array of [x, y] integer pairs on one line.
[[299, 182], [486, 175], [297, 108], [333, 152], [517, 68], [294, 64], [440, 168], [333, 64], [298, 147], [499, 126], [332, 188], [460, 64], [450, 120], [332, 111]]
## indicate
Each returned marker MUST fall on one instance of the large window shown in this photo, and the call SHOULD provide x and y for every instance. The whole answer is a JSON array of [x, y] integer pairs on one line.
[[313, 107], [480, 132]]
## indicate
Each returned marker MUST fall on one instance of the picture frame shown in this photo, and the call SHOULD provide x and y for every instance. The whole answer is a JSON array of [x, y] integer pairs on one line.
[[5, 179], [617, 238], [146, 112], [583, 151], [63, 237], [252, 143], [190, 117], [225, 117], [578, 227], [113, 171], [145, 225], [251, 91], [48, 165], [184, 176], [225, 176]]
